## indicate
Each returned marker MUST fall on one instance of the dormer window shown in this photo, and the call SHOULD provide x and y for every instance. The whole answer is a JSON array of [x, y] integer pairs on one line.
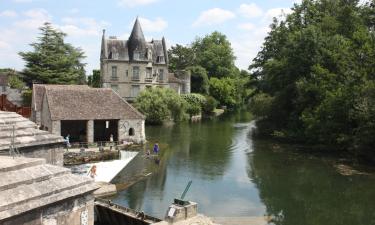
[[160, 59], [136, 56], [110, 55]]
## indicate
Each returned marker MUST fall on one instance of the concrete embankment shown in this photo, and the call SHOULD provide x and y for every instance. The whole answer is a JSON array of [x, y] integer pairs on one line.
[[261, 220]]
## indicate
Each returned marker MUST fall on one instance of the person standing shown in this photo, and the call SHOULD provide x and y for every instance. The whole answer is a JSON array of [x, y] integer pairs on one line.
[[156, 148], [110, 142]]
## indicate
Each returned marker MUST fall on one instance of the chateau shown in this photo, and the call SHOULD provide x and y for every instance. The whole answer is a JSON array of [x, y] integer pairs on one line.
[[130, 66]]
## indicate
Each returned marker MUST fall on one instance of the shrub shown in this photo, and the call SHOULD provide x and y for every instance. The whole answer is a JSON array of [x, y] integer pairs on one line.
[[160, 104], [210, 105]]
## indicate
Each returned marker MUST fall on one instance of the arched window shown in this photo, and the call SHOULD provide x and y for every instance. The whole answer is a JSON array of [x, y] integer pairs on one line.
[[131, 132]]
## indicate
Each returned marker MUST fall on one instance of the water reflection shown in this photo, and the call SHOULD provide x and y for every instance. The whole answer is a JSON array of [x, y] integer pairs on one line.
[[234, 175], [302, 188]]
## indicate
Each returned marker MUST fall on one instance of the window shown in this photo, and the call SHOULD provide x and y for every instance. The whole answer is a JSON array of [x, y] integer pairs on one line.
[[149, 73], [160, 59], [131, 132], [114, 72], [136, 56], [161, 74], [134, 91], [127, 73], [114, 87], [135, 73]]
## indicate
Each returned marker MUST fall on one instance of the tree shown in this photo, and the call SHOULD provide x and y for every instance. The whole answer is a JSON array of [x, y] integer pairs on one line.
[[53, 61], [317, 66], [94, 79], [180, 57], [199, 80], [215, 54], [160, 104], [224, 91]]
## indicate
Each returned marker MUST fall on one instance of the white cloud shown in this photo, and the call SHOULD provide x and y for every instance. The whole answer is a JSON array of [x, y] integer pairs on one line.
[[4, 45], [8, 13], [213, 16], [156, 25], [250, 10], [246, 26], [73, 11], [22, 1], [134, 3], [82, 26], [279, 13], [35, 18]]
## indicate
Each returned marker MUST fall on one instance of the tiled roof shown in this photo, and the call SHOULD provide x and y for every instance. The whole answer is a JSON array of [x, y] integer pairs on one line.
[[73, 102]]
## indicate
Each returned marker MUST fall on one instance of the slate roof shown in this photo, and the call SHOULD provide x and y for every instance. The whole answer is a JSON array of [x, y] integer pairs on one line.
[[80, 102], [115, 49], [27, 184], [26, 132]]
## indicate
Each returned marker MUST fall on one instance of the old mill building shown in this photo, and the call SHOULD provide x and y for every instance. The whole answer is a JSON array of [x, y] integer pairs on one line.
[[87, 114], [130, 66]]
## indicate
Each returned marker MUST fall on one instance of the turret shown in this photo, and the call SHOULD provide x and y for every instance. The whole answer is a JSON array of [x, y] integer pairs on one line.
[[103, 52], [165, 51], [137, 42]]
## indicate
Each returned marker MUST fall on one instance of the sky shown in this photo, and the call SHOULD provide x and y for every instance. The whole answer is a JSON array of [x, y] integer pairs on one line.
[[245, 23]]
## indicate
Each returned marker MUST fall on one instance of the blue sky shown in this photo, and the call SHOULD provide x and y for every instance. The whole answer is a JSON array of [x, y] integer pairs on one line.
[[245, 23]]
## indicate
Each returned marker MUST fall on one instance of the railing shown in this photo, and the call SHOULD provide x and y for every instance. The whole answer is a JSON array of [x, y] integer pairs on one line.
[[100, 144], [114, 78], [148, 79], [135, 79], [6, 105]]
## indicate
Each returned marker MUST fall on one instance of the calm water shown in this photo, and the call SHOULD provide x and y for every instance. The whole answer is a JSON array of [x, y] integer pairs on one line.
[[234, 175]]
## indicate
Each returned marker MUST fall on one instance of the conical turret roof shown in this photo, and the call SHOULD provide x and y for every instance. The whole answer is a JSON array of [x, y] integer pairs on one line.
[[137, 40]]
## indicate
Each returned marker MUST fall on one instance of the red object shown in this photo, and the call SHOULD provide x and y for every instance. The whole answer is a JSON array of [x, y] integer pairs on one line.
[[6, 105]]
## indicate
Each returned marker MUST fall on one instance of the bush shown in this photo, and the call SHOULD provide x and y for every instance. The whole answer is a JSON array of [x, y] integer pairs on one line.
[[260, 104], [26, 97], [15, 82], [195, 102], [160, 104], [210, 105]]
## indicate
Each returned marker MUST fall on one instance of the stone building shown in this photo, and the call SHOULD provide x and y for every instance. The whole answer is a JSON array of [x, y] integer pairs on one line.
[[130, 66], [35, 193], [86, 114], [28, 140]]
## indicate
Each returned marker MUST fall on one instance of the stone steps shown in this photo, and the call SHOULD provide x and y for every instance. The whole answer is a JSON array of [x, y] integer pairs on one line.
[[27, 184], [29, 175]]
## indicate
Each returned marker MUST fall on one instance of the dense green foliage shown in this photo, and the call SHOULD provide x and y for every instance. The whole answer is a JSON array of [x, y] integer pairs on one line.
[[160, 104], [180, 57], [199, 80], [163, 104], [210, 105], [53, 61], [94, 79], [195, 103], [15, 82], [212, 57], [315, 75], [26, 97]]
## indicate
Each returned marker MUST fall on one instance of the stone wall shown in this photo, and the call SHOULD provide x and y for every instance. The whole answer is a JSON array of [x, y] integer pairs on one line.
[[53, 153], [45, 116], [124, 127], [56, 127], [76, 211], [124, 80]]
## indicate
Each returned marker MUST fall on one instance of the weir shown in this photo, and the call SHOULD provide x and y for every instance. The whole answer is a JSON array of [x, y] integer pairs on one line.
[[106, 171]]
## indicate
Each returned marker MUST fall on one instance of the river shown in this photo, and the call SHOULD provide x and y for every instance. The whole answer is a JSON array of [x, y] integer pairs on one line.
[[235, 175]]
